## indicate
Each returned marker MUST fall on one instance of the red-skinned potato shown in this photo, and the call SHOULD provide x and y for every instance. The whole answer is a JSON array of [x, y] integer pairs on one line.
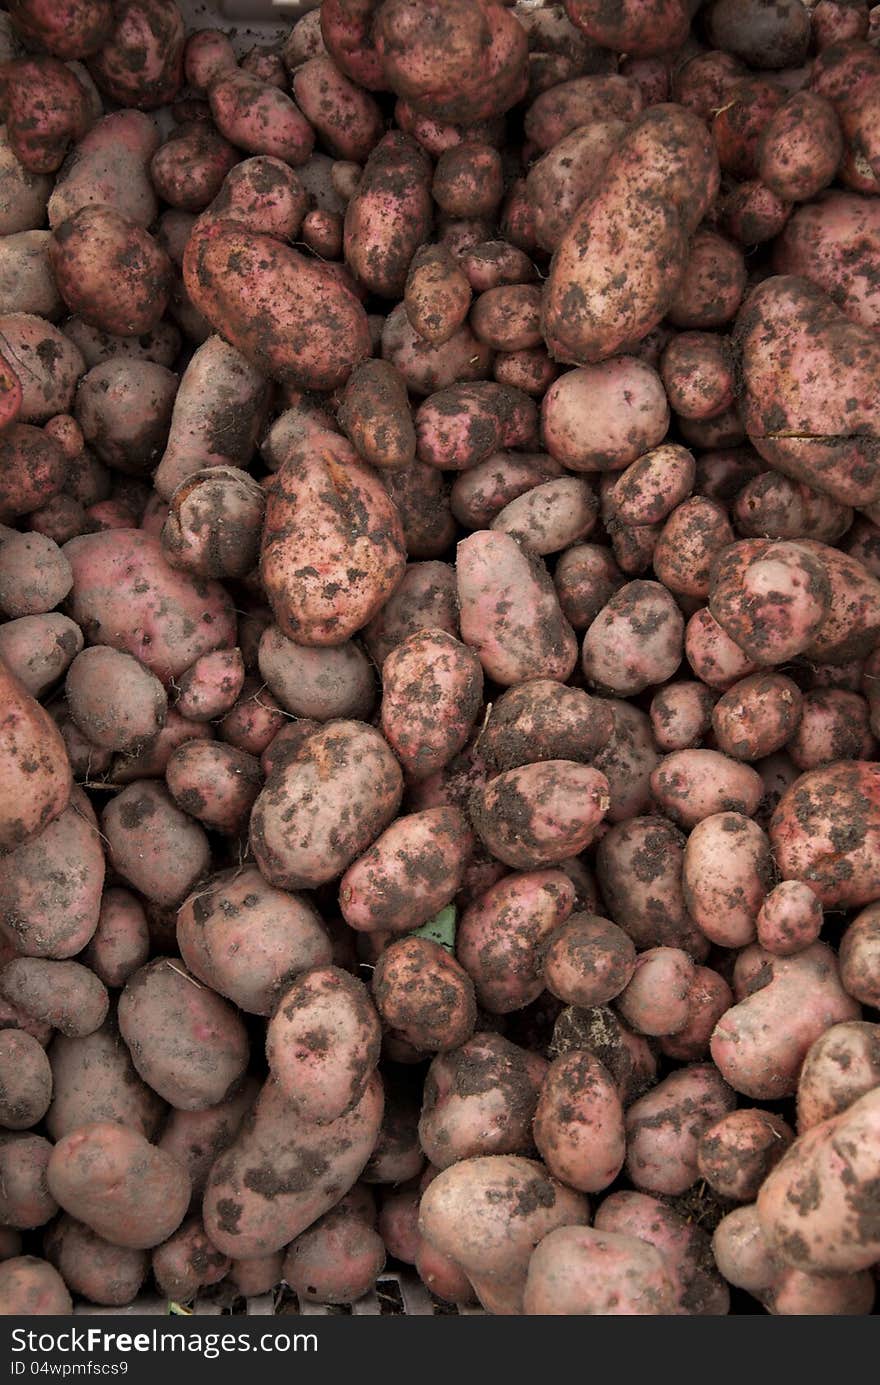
[[33, 797], [664, 1128], [214, 783], [411, 872], [588, 960], [187, 1262], [602, 417], [141, 64], [567, 106], [544, 720], [423, 995], [806, 826], [656, 998], [860, 956], [579, 1123], [72, 29], [121, 942], [708, 998], [376, 417], [347, 120], [25, 1081], [64, 994], [336, 1260], [727, 871], [105, 1274], [152, 844], [840, 1067], [500, 935], [789, 919], [31, 1287], [736, 1153], [698, 1289], [482, 492], [45, 108], [110, 271], [430, 725], [681, 715], [635, 641], [437, 294], [638, 864], [425, 599], [389, 216], [691, 785], [257, 117], [94, 1079], [575, 1270], [538, 814], [196, 1138], [210, 686]]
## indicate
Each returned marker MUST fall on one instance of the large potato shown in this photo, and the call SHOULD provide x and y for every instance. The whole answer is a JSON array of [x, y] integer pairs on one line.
[[576, 1270], [728, 869], [826, 832], [50, 887], [432, 690]]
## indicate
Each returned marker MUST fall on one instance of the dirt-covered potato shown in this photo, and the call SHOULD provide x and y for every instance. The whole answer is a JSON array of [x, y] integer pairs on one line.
[[603, 417], [500, 935], [860, 956], [480, 1099], [576, 1270], [840, 1067], [94, 1079], [635, 641], [664, 1128], [25, 1080], [432, 690], [64, 994], [336, 1260], [30, 1287], [736, 1153], [539, 814], [655, 999], [411, 872], [727, 871], [424, 995], [691, 785], [804, 832], [102, 1273], [789, 919], [153, 844], [588, 960], [579, 1123]]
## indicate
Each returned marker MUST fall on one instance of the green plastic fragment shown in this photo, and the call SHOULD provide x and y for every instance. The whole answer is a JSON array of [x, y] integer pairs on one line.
[[440, 929]]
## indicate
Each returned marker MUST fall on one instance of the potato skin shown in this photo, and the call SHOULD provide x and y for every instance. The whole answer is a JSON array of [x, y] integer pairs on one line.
[[588, 960], [480, 1099], [142, 62], [789, 919], [347, 119], [684, 1246], [603, 417], [336, 1260], [289, 316], [94, 1079], [64, 994], [47, 366], [31, 1287], [424, 995], [123, 1188], [437, 294], [187, 1043], [152, 844], [800, 147], [575, 1270], [322, 1043], [25, 1080], [411, 872], [860, 956], [390, 215], [216, 784], [432, 692], [805, 824], [281, 1173], [108, 1275], [635, 641], [500, 934], [655, 1000], [187, 1262], [50, 889], [664, 1128], [539, 814], [110, 271], [70, 30], [736, 1153], [375, 415], [34, 766], [728, 869], [544, 720], [328, 515]]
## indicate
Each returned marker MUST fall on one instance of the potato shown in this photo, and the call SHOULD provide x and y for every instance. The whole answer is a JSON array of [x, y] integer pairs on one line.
[[460, 427], [638, 864], [693, 534], [254, 720], [324, 1021], [539, 643], [805, 833], [860, 957], [827, 1232], [569, 171], [110, 168], [656, 998], [187, 1262], [708, 998], [38, 649], [254, 115], [647, 613], [46, 364], [73, 29], [428, 366], [196, 1138], [447, 677], [263, 1274], [578, 1123], [737, 1152], [264, 194], [124, 409], [691, 785], [208, 52], [664, 155], [664, 1128], [216, 784], [375, 415], [789, 920], [35, 770], [45, 108], [152, 845], [425, 599], [61, 993], [480, 1099], [840, 1067], [32, 1288], [588, 960], [757, 716], [336, 1260], [141, 64], [389, 215], [319, 684], [783, 1005], [290, 317], [25, 1200], [211, 686], [94, 1079], [482, 492], [35, 576], [411, 872], [189, 168], [535, 815], [684, 1247], [576, 1271], [25, 1081], [834, 726], [544, 720], [110, 271], [126, 596], [120, 943], [833, 242], [437, 294], [723, 892], [347, 120], [602, 417], [424, 995], [681, 715], [586, 577], [245, 939], [567, 106], [551, 516], [281, 1174], [128, 1191], [184, 1040], [488, 1214], [114, 700], [102, 1273], [800, 148], [26, 283], [499, 936], [714, 657]]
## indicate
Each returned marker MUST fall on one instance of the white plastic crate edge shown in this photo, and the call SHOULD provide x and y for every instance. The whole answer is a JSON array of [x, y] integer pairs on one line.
[[416, 1302]]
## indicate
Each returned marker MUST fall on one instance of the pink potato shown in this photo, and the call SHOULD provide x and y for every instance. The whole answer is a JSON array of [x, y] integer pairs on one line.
[[210, 687], [602, 417], [567, 106], [214, 783], [681, 715], [111, 168], [196, 1138], [825, 832], [121, 942], [834, 726], [551, 516], [588, 960], [569, 171], [783, 1005], [513, 641], [480, 1099], [421, 499], [652, 487], [482, 492], [262, 193], [646, 209], [728, 869], [318, 684], [685, 1249], [579, 1123], [840, 1067], [860, 957], [539, 814], [344, 758], [47, 366], [801, 147], [789, 920], [736, 1152], [375, 415], [500, 936], [423, 995], [694, 533], [635, 641], [25, 1082], [126, 596], [460, 427], [576, 1270], [282, 1173], [709, 997], [432, 692], [656, 999], [330, 530], [189, 168], [586, 577], [257, 117], [437, 294], [71, 29], [336, 1260], [30, 1287], [389, 216], [411, 872], [187, 1262], [141, 64], [691, 785], [627, 761], [245, 939], [544, 720], [128, 1191], [64, 994], [425, 599], [110, 271], [664, 1128], [632, 27], [45, 108], [289, 316], [33, 765], [712, 286], [152, 844], [833, 241], [347, 120], [93, 1079]]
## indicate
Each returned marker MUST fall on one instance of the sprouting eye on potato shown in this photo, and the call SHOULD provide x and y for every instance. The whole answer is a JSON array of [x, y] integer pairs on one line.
[[440, 655]]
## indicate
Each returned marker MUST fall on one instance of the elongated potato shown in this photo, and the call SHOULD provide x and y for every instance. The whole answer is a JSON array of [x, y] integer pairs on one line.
[[579, 1127], [538, 814], [728, 869], [411, 872], [390, 214], [35, 768], [432, 692], [690, 785]]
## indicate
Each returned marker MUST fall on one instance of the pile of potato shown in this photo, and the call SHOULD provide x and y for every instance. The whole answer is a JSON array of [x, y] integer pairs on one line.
[[440, 655]]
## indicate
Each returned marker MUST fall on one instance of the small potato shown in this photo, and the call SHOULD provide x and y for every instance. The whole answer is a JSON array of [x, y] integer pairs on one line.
[[569, 105], [246, 940], [336, 1260], [789, 919], [411, 872], [800, 148], [860, 957], [635, 641], [488, 1214], [728, 869], [628, 761], [214, 523], [187, 1262], [102, 1273], [709, 997], [655, 1000], [551, 516], [698, 1290], [421, 500], [713, 284], [32, 1288], [639, 868], [712, 654], [25, 1081], [653, 486], [588, 960], [586, 577], [121, 942], [757, 716], [499, 936], [25, 1200], [214, 783], [425, 599], [770, 505], [697, 374], [347, 120], [841, 1066], [432, 692], [424, 995], [508, 318], [468, 180], [602, 417], [124, 410], [460, 427], [141, 64], [197, 1138], [575, 1271], [442, 1276], [318, 684], [529, 369], [489, 264], [579, 1123], [482, 492], [430, 366], [47, 366], [693, 534], [152, 845], [737, 1152], [664, 1128], [828, 1233], [375, 415], [151, 762], [834, 725], [37, 650], [26, 283], [681, 715], [539, 814], [322, 1043], [254, 720], [110, 271], [210, 687], [261, 1275], [783, 1005], [558, 183], [544, 720], [128, 1191], [389, 215], [61, 993], [114, 700], [437, 294], [35, 576], [397, 1157], [690, 785], [189, 168]]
